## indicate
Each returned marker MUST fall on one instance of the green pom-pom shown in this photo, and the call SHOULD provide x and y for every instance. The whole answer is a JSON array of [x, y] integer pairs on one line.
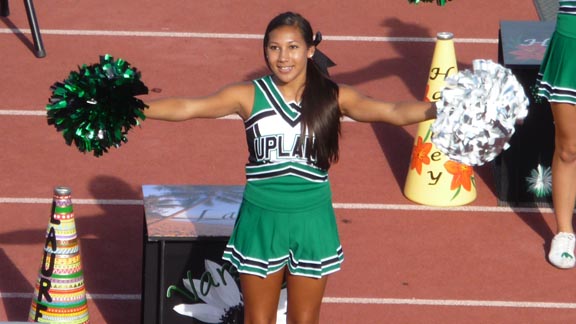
[[438, 2], [95, 107]]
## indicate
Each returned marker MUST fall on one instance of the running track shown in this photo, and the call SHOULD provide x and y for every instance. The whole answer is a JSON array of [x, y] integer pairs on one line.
[[405, 263]]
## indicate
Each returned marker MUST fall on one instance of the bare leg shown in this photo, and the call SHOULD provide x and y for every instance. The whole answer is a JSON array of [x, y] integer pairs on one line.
[[261, 297], [305, 299], [564, 165], [561, 252]]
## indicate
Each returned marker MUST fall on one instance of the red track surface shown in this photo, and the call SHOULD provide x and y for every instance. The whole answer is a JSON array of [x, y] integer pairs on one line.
[[478, 255]]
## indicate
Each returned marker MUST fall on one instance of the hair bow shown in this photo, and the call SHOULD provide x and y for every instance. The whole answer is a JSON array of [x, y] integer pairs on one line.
[[320, 59]]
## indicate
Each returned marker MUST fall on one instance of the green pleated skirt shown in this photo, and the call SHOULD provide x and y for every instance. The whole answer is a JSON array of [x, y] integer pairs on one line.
[[305, 241], [557, 75]]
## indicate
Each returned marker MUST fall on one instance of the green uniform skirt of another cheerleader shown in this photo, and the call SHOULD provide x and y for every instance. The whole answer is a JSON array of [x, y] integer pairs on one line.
[[557, 76], [305, 241]]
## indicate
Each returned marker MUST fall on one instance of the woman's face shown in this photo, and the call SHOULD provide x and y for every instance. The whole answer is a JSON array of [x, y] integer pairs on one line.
[[287, 54]]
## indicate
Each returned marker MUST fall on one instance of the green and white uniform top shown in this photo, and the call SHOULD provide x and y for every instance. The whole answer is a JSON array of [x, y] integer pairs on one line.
[[279, 174]]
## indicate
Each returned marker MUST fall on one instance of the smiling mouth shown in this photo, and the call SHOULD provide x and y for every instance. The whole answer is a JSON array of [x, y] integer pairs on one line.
[[285, 68]]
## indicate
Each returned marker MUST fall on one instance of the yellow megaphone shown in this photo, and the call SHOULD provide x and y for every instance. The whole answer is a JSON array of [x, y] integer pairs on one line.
[[433, 179]]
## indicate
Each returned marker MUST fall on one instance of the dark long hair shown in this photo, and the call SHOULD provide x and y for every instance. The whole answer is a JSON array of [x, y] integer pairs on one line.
[[320, 110]]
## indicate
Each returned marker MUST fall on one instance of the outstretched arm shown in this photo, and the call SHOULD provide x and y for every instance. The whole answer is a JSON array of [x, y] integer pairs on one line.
[[365, 109], [232, 99]]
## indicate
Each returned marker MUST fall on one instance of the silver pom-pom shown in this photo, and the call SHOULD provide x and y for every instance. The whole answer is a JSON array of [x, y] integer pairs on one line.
[[478, 112]]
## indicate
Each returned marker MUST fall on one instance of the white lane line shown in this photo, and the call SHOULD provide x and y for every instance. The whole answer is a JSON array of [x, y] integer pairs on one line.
[[6, 200], [125, 33], [447, 302], [362, 301], [486, 209], [7, 295], [42, 113], [14, 112], [136, 202]]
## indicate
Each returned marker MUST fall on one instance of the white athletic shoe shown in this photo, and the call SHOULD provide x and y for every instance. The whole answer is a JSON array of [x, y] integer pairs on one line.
[[562, 250]]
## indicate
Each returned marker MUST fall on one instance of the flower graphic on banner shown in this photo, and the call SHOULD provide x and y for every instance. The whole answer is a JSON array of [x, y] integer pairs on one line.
[[525, 52], [462, 176], [540, 181], [420, 155], [221, 296]]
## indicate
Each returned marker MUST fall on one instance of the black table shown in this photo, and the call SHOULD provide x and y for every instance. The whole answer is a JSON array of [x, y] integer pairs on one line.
[[184, 227], [521, 47]]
